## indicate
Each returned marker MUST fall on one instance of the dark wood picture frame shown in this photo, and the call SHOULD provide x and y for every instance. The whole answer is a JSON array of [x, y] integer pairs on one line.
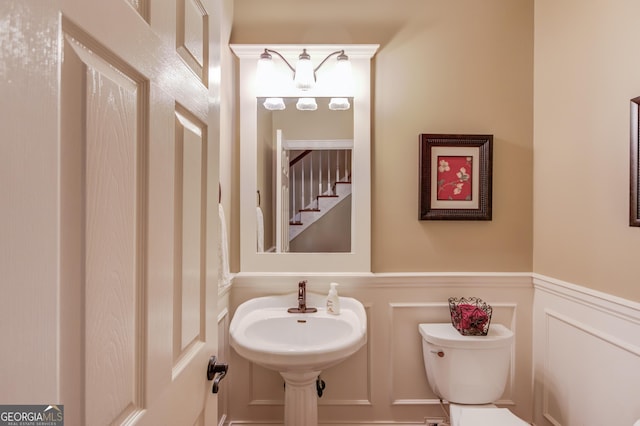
[[634, 189], [461, 190]]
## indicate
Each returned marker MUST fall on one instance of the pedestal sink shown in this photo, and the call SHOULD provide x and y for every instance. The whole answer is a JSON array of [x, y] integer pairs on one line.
[[298, 345]]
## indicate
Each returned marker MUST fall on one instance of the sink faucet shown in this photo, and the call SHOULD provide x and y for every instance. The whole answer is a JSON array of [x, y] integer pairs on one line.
[[302, 295], [302, 300]]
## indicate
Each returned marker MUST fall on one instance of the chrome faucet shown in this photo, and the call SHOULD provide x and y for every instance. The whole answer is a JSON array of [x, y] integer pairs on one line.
[[302, 300]]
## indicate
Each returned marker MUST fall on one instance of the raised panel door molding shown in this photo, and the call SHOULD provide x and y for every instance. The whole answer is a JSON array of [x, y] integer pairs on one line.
[[190, 218], [140, 6], [192, 35], [111, 166]]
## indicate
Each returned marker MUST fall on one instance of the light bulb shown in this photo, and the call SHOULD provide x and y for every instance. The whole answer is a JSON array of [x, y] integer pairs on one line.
[[304, 75], [265, 72], [343, 76]]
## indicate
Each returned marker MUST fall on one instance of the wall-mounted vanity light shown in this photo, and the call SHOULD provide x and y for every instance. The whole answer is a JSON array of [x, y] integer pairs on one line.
[[305, 78]]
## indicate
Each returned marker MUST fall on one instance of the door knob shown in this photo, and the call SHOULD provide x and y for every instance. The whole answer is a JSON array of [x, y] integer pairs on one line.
[[216, 372]]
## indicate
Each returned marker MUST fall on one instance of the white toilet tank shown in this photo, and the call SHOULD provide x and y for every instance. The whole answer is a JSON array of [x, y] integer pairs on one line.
[[466, 369]]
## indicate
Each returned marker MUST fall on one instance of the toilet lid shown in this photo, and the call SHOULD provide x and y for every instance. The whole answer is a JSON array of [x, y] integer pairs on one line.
[[489, 417]]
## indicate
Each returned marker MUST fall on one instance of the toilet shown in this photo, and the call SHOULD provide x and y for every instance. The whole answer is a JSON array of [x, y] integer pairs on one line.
[[470, 372]]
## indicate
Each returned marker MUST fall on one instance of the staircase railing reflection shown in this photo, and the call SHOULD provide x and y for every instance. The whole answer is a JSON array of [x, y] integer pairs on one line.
[[314, 174]]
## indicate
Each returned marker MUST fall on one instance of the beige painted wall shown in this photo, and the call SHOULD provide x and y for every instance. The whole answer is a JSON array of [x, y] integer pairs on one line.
[[443, 67], [586, 71]]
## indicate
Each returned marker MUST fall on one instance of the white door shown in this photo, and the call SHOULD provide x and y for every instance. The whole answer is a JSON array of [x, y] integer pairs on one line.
[[111, 147], [282, 195]]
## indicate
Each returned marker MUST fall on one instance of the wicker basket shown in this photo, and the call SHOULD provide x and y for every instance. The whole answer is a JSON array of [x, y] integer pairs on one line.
[[470, 315]]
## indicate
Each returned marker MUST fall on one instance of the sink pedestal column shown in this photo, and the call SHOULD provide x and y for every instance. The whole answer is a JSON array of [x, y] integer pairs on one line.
[[300, 398]]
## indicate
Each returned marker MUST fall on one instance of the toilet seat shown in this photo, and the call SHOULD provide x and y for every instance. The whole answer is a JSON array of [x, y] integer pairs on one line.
[[489, 417]]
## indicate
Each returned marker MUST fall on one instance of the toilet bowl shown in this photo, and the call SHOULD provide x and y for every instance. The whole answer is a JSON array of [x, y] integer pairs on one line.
[[470, 372]]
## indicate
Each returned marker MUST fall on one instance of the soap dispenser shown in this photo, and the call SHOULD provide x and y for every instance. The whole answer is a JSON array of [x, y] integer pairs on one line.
[[333, 301]]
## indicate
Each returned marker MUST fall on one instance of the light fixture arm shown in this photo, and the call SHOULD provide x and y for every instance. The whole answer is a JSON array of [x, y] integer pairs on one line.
[[267, 54], [340, 53]]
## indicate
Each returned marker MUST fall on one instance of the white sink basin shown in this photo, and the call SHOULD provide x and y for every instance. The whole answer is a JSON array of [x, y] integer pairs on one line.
[[263, 332]]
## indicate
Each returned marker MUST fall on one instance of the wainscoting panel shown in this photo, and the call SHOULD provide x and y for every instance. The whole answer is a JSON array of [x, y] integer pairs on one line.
[[408, 376], [587, 356], [410, 388], [385, 382]]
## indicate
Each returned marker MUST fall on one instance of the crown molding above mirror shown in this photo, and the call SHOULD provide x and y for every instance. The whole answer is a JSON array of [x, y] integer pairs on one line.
[[359, 258]]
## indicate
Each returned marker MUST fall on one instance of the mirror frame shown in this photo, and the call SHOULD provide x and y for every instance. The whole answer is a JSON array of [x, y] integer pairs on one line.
[[359, 259]]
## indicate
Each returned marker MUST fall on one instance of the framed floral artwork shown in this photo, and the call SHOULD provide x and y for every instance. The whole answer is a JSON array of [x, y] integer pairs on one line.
[[455, 177], [634, 190]]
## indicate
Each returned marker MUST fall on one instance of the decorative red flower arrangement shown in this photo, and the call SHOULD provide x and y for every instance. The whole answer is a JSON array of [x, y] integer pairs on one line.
[[470, 316]]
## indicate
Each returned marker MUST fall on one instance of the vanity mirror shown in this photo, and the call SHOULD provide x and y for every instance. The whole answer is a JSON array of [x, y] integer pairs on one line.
[[305, 177], [305, 193]]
